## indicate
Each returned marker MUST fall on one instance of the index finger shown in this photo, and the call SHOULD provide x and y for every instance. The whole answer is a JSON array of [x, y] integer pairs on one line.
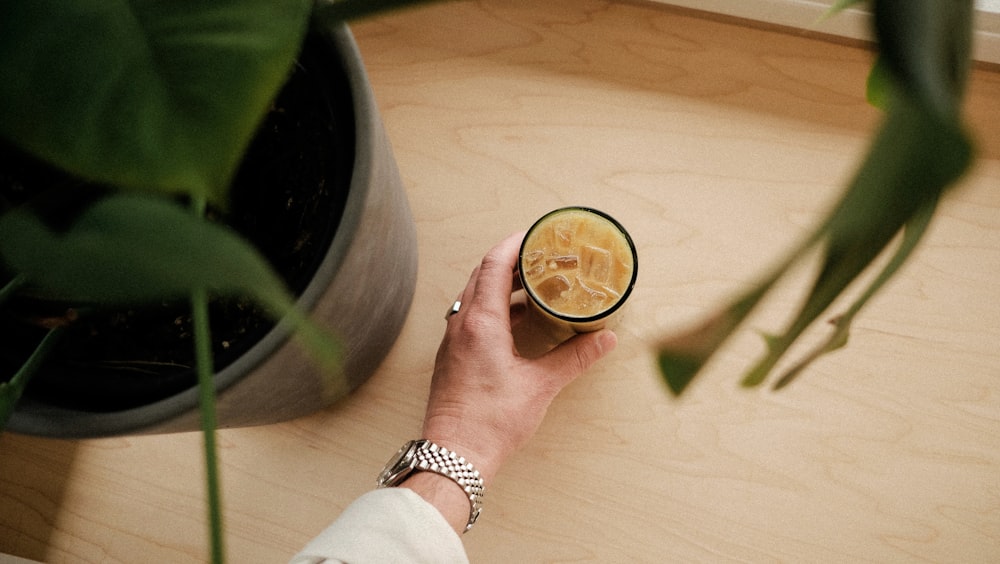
[[495, 278]]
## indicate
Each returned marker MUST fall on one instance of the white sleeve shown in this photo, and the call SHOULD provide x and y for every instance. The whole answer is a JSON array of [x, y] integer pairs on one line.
[[386, 526]]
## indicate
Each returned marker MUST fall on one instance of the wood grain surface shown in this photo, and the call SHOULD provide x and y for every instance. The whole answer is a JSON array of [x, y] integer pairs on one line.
[[717, 145]]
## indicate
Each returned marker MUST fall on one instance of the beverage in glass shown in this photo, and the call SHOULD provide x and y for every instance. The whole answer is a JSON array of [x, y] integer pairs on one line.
[[578, 265]]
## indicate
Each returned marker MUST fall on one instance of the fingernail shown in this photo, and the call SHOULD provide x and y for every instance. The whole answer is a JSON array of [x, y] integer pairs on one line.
[[608, 340]]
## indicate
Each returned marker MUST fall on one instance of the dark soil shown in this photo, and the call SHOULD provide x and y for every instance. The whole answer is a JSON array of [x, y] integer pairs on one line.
[[287, 199]]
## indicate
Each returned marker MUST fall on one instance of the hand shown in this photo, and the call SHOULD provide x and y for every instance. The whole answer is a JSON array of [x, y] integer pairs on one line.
[[486, 401]]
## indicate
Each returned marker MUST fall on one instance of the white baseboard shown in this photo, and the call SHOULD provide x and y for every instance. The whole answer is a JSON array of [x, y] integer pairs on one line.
[[852, 23]]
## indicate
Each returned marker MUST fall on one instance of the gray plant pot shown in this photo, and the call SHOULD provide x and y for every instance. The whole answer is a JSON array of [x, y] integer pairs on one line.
[[362, 291]]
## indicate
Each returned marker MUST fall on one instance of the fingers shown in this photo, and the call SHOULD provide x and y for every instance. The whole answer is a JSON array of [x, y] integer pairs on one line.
[[518, 312], [573, 357], [517, 282], [493, 282]]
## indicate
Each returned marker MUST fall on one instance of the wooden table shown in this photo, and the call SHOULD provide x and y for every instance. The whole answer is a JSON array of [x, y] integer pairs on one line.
[[717, 145]]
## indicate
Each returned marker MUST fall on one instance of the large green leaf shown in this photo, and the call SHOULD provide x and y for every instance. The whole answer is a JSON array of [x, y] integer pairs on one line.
[[682, 356], [143, 93], [926, 45], [133, 248], [918, 153], [914, 158], [913, 232], [137, 248]]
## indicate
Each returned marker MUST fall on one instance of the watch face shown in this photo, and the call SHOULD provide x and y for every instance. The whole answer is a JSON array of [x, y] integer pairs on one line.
[[394, 468]]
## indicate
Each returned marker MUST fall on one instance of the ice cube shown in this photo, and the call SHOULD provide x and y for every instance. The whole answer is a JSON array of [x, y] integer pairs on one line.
[[551, 289], [565, 262], [535, 271], [593, 294], [596, 264], [587, 300], [563, 232], [615, 295], [532, 258]]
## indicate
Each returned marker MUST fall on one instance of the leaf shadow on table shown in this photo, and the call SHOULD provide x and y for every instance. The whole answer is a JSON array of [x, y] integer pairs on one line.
[[33, 477]]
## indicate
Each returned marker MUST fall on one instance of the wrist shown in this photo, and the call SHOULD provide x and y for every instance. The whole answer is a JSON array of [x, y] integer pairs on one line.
[[474, 449], [437, 474]]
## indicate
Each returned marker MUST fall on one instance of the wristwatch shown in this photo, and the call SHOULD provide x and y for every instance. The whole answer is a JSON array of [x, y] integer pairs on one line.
[[424, 456]]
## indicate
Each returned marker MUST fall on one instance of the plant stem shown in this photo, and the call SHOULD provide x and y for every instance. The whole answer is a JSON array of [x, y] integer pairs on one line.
[[9, 288], [204, 366], [10, 392], [206, 387]]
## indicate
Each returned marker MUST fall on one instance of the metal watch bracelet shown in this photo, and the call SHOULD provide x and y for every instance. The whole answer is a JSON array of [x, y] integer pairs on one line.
[[424, 455]]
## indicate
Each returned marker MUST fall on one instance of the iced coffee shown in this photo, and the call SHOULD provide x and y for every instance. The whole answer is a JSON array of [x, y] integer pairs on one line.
[[578, 265]]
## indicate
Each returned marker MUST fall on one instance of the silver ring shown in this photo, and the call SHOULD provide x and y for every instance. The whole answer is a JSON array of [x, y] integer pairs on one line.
[[453, 309]]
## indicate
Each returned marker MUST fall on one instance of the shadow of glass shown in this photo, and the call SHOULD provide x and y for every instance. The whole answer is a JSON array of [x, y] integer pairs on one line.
[[535, 334]]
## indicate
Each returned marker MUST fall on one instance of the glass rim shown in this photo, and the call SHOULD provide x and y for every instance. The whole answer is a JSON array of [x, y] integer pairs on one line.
[[576, 318]]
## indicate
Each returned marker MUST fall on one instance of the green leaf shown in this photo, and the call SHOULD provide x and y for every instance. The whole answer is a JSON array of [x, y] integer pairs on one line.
[[913, 232], [144, 94], [913, 160], [918, 153], [839, 6], [926, 46], [133, 248], [682, 356], [678, 370], [11, 390], [878, 86], [136, 248]]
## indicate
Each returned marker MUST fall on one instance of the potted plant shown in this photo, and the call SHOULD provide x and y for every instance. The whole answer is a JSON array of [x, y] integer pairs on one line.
[[145, 146], [97, 176]]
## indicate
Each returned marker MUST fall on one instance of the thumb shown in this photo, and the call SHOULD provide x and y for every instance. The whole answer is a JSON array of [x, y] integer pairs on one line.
[[573, 357]]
